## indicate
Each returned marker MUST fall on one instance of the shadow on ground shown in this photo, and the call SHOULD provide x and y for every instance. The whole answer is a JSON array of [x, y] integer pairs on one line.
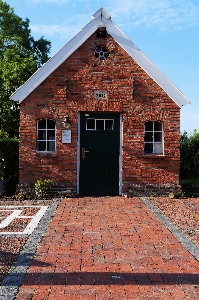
[[108, 278]]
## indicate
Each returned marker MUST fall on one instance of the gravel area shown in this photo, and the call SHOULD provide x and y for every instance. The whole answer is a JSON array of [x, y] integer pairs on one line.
[[13, 244], [184, 213], [9, 250]]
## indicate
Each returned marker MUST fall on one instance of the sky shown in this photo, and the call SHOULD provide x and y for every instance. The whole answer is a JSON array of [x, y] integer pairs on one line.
[[166, 31]]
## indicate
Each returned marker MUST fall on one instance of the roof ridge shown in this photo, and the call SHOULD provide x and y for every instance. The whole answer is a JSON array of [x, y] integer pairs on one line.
[[101, 12]]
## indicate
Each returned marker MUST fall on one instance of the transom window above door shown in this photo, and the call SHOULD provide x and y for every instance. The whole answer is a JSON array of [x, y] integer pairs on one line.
[[99, 124]]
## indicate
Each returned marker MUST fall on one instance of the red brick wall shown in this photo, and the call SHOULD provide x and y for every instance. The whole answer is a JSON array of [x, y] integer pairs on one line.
[[130, 91]]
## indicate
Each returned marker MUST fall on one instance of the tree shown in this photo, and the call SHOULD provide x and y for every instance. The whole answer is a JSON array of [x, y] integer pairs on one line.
[[20, 57], [189, 155]]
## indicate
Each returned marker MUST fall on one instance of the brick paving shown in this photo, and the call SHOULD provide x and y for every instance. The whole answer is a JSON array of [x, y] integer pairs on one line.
[[109, 248]]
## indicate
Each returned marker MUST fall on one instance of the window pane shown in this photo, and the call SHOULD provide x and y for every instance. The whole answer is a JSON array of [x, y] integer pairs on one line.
[[51, 135], [50, 146], [41, 134], [158, 148], [42, 124], [99, 124], [148, 137], [45, 132], [157, 136], [90, 124], [149, 126], [50, 124], [41, 146], [148, 148], [108, 124], [157, 126]]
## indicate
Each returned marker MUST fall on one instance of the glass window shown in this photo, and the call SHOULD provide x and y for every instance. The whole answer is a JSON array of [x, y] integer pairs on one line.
[[101, 52], [153, 138], [157, 126], [148, 137], [149, 126], [108, 124], [100, 124], [46, 135], [51, 124], [42, 124], [90, 124]]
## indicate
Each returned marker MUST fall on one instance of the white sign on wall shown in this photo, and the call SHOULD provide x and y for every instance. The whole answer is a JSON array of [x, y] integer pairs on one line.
[[66, 136], [99, 94]]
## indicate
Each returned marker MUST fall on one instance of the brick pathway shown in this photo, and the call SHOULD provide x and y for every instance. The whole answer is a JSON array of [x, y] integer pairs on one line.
[[109, 248]]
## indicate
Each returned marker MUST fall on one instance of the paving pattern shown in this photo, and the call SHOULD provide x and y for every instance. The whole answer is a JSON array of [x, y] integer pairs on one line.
[[20, 219], [109, 248], [10, 285]]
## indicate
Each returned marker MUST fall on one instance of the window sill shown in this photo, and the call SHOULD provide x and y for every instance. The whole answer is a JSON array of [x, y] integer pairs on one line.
[[46, 153], [153, 155]]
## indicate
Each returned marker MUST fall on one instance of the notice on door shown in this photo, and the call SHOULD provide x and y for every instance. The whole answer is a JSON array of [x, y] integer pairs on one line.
[[66, 136]]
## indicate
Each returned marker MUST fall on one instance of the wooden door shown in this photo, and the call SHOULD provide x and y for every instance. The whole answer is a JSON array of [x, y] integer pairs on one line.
[[99, 154]]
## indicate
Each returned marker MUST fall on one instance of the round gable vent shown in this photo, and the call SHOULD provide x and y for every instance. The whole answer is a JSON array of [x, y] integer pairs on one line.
[[101, 52]]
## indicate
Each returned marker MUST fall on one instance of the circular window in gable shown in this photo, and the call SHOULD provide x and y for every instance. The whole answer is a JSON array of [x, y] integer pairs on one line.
[[101, 52]]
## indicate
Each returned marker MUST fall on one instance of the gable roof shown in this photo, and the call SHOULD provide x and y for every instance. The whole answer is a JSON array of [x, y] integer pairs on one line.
[[101, 17]]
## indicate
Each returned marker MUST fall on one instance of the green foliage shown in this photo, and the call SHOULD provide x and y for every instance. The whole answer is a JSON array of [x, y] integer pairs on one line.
[[9, 163], [189, 155], [3, 134], [24, 192], [20, 57], [190, 187], [42, 187]]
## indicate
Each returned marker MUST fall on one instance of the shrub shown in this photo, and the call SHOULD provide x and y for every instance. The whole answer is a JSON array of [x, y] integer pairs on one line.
[[9, 163], [25, 192], [42, 187]]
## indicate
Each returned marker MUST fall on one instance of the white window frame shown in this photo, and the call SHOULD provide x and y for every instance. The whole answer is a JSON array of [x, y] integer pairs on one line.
[[46, 129], [155, 144]]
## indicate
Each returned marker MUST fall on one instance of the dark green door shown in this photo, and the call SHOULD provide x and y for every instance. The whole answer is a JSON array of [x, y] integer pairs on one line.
[[99, 154]]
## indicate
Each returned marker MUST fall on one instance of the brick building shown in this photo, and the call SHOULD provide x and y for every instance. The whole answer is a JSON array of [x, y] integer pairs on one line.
[[99, 118]]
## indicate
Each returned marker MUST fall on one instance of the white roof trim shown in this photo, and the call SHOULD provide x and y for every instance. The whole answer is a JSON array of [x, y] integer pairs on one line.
[[99, 18]]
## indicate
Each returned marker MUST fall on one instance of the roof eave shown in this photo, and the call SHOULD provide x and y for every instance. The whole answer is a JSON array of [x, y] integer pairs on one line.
[[55, 61], [142, 60]]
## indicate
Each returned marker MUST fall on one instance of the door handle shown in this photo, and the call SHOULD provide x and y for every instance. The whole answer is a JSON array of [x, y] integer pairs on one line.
[[84, 151]]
